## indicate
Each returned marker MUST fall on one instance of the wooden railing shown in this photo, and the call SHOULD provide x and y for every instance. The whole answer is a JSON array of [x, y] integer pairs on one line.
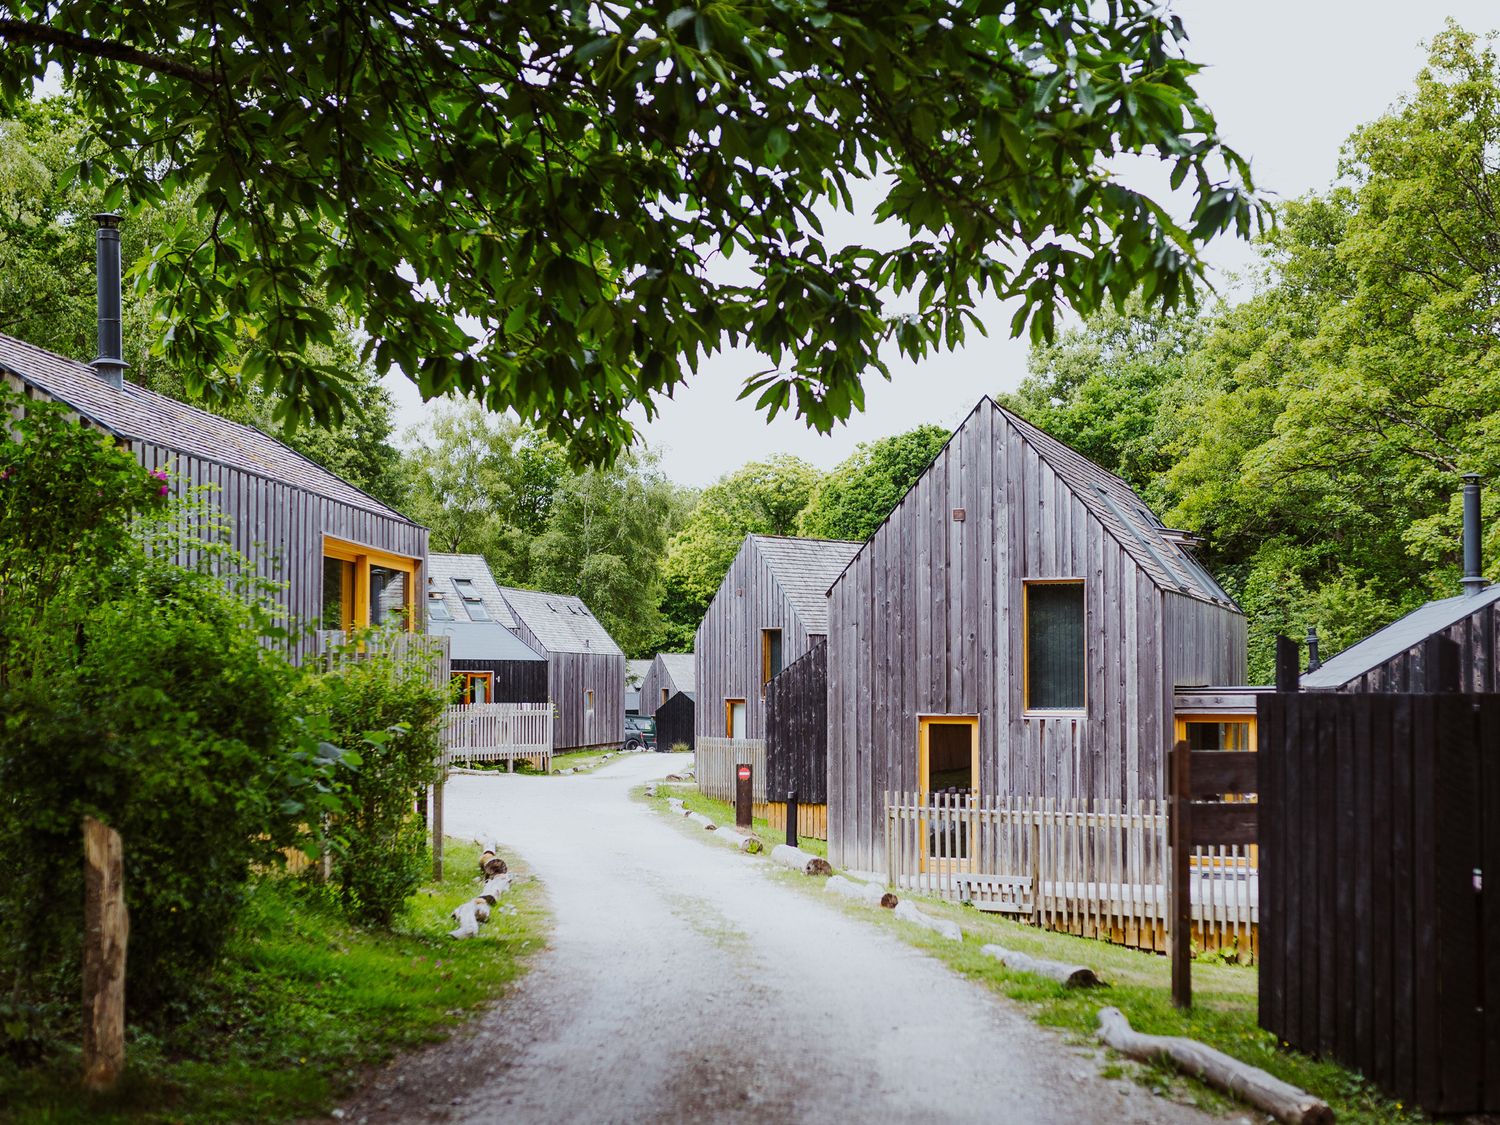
[[715, 761], [336, 647], [1094, 868], [500, 732]]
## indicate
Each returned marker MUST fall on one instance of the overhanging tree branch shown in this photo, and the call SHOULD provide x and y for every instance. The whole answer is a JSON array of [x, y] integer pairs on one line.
[[18, 31]]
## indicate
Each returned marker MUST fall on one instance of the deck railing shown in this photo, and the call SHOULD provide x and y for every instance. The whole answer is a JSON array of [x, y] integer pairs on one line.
[[500, 732], [1089, 867], [337, 647], [715, 760]]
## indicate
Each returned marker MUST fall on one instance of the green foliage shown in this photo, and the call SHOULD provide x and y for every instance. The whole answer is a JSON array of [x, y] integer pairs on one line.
[[47, 295], [302, 1003], [854, 499], [139, 692], [560, 186], [389, 711], [763, 498]]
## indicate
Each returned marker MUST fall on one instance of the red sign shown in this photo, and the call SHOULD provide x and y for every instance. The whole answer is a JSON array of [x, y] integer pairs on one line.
[[744, 773]]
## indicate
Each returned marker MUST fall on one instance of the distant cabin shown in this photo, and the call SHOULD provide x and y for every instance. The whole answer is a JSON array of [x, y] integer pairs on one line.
[[770, 608], [346, 558], [1017, 626], [585, 667], [669, 694], [635, 673], [492, 664]]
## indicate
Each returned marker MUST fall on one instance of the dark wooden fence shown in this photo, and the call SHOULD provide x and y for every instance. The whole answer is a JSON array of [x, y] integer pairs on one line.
[[674, 722], [797, 729], [1380, 821]]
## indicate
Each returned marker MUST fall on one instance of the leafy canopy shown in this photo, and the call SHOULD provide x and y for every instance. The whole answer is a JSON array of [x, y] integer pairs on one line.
[[528, 201], [854, 499]]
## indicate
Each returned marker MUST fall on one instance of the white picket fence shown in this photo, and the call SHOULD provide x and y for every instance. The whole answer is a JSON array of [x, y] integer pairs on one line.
[[1090, 867], [500, 732]]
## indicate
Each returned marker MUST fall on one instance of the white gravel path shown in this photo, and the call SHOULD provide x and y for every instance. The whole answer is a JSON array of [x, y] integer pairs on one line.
[[684, 984]]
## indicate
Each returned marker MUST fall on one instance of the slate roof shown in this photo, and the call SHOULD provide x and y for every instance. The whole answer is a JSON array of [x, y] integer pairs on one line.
[[135, 413], [635, 670], [560, 622], [805, 569], [443, 569], [680, 670], [1400, 635], [1117, 506], [481, 640]]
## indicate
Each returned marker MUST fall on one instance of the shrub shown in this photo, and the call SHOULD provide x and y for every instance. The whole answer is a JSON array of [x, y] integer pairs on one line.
[[390, 712]]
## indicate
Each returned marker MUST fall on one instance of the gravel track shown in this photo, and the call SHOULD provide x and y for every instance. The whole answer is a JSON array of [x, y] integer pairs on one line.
[[682, 983]]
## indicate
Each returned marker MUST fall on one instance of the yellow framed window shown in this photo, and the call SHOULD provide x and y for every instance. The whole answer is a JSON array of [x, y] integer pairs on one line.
[[1056, 659], [770, 656], [363, 587], [734, 719], [948, 773], [478, 687]]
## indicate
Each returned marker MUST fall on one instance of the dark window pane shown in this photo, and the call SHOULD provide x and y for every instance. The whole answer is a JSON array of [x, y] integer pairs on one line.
[[1055, 646], [387, 596], [333, 592]]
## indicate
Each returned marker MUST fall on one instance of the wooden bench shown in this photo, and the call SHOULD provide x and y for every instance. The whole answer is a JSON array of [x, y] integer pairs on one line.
[[997, 894]]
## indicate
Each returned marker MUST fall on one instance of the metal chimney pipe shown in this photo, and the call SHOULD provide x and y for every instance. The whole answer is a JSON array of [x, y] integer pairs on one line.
[[1313, 662], [1473, 580], [110, 363]]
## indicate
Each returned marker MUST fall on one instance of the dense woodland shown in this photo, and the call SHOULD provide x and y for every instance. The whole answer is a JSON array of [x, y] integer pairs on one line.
[[1310, 428]]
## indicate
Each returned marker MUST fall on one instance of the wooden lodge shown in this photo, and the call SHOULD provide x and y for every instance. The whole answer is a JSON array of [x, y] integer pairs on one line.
[[347, 560], [464, 604], [1017, 628], [669, 693], [635, 675], [585, 667]]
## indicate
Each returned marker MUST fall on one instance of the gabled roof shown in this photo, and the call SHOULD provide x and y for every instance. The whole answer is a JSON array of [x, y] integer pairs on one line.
[[805, 569], [137, 414], [1123, 513], [481, 640], [1110, 500], [560, 622], [636, 671], [443, 569], [680, 669], [1400, 635]]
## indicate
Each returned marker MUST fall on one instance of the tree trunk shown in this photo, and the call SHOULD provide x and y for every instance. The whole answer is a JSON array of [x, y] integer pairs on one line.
[[1074, 976], [1281, 1100], [106, 931]]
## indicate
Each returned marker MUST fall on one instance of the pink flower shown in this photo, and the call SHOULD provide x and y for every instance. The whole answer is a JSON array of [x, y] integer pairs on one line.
[[164, 490]]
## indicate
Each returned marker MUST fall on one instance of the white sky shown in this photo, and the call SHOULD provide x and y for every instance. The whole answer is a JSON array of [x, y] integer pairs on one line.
[[1288, 81]]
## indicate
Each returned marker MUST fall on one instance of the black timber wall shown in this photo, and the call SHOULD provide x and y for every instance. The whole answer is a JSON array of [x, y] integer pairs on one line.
[[516, 681], [674, 722], [1412, 671], [1380, 888], [797, 729]]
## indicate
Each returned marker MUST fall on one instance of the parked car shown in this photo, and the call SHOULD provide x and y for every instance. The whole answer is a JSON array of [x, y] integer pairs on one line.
[[640, 733]]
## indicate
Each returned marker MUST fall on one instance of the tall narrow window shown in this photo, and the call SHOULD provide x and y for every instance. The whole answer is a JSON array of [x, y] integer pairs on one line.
[[664, 696], [588, 699], [734, 719], [770, 655], [478, 687], [1055, 646]]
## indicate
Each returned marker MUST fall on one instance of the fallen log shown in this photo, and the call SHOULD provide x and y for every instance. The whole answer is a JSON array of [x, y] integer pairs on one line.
[[1073, 976], [870, 893], [799, 860], [907, 912], [1281, 1100], [699, 818], [744, 843], [676, 805], [496, 876]]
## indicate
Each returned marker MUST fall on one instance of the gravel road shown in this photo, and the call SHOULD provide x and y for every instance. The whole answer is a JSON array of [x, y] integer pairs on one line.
[[684, 984]]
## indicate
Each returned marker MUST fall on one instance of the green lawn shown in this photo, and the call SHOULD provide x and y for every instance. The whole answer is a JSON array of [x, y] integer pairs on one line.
[[1139, 984], [722, 812], [301, 1004]]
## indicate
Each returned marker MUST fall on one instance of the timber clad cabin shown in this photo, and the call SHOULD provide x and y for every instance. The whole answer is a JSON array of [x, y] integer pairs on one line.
[[669, 693], [1018, 626], [347, 559], [770, 609], [635, 674], [493, 665], [585, 667]]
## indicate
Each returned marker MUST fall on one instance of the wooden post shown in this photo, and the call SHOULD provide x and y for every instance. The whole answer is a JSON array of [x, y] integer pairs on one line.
[[791, 818], [437, 827], [1036, 866], [1288, 678], [743, 795], [1179, 890], [106, 931]]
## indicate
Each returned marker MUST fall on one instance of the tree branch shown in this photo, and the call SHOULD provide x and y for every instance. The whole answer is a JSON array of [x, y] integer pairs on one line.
[[18, 31]]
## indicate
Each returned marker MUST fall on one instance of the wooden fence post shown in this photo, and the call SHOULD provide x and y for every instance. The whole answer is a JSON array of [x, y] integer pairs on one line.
[[106, 931], [1179, 889], [437, 822]]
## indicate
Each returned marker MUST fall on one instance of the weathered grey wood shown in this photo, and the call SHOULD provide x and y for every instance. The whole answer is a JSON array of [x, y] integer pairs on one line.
[[1283, 1101], [928, 620], [574, 672], [106, 933]]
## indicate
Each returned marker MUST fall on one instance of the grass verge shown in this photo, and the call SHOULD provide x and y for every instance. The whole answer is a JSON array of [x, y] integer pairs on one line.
[[1139, 984], [303, 1001], [722, 812]]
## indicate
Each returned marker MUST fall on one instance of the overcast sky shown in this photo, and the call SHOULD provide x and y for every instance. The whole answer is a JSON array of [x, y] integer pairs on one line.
[[1288, 81]]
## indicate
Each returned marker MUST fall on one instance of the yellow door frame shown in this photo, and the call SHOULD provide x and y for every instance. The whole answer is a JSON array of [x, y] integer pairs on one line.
[[729, 716], [925, 723], [1179, 734]]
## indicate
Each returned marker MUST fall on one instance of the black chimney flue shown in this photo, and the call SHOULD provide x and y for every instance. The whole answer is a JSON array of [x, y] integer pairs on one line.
[[110, 363], [1473, 565], [1313, 662]]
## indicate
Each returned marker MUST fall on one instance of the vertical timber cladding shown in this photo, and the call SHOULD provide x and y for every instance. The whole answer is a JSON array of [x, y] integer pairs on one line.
[[928, 621], [280, 527], [797, 730]]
